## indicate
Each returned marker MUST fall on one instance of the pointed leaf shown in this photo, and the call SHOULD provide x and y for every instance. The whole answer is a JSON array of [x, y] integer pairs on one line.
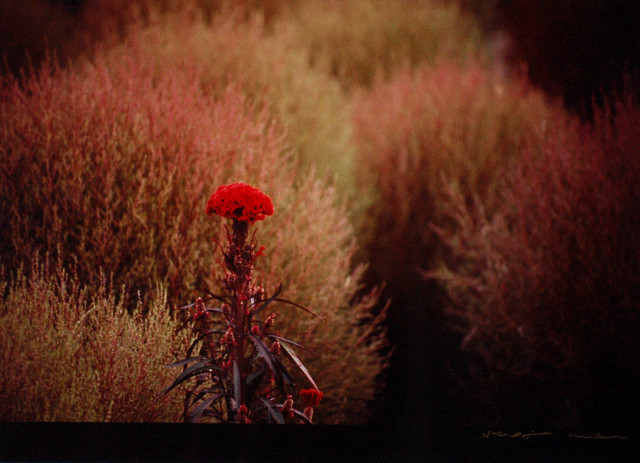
[[196, 413], [222, 299], [321, 317], [211, 296], [185, 361], [302, 415], [291, 354], [269, 300], [280, 338], [187, 306], [266, 354], [254, 375], [200, 367], [236, 383], [278, 370], [201, 337], [273, 411], [277, 363], [201, 393]]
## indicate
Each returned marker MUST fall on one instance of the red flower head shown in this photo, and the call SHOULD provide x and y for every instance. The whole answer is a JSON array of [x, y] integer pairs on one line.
[[311, 397], [241, 202]]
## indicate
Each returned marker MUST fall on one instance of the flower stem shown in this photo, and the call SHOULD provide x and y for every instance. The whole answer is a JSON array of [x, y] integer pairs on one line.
[[239, 257]]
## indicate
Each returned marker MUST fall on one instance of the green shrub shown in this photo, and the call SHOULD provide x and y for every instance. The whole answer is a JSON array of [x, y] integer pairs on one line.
[[359, 41]]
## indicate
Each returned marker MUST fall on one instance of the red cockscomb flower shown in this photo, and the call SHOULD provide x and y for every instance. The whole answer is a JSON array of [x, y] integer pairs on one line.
[[311, 397], [241, 202]]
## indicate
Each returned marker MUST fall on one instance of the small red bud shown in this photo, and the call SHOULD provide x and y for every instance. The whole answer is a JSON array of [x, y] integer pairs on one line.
[[270, 319], [286, 406], [275, 348], [199, 310], [308, 412], [259, 253], [243, 414], [229, 338]]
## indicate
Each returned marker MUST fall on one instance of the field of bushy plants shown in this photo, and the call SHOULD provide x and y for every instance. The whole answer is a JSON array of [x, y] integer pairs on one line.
[[469, 243]]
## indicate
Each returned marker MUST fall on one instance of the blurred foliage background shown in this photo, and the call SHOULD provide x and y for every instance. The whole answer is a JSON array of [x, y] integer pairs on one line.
[[452, 188]]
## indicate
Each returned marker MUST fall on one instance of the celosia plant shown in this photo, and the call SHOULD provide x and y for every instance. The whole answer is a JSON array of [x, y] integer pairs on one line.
[[239, 374], [240, 202]]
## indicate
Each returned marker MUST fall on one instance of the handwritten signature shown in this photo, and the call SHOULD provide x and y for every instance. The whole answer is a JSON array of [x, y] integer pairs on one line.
[[598, 436], [527, 436]]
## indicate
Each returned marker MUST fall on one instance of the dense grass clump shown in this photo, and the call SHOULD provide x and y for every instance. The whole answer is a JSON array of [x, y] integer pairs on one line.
[[71, 353], [360, 41], [108, 165], [418, 135], [232, 47], [548, 284], [444, 125], [108, 168]]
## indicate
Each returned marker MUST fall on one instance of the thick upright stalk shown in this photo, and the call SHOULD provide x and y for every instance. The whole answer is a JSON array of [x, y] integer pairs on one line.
[[239, 263]]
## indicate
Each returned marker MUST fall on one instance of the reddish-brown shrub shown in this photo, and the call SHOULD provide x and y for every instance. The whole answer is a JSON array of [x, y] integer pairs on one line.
[[463, 125], [267, 66], [108, 165], [548, 285], [71, 353], [361, 40]]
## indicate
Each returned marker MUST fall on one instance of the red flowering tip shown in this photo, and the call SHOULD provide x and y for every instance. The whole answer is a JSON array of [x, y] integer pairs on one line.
[[311, 397], [308, 412], [241, 202], [286, 406], [259, 253], [229, 338], [275, 348], [199, 310], [243, 414], [268, 323]]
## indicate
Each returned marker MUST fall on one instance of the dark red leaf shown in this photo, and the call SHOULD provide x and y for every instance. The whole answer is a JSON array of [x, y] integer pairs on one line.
[[279, 371], [268, 301], [321, 317], [200, 367], [236, 383], [280, 338], [273, 411], [185, 361], [291, 354], [196, 413], [201, 337], [302, 416]]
